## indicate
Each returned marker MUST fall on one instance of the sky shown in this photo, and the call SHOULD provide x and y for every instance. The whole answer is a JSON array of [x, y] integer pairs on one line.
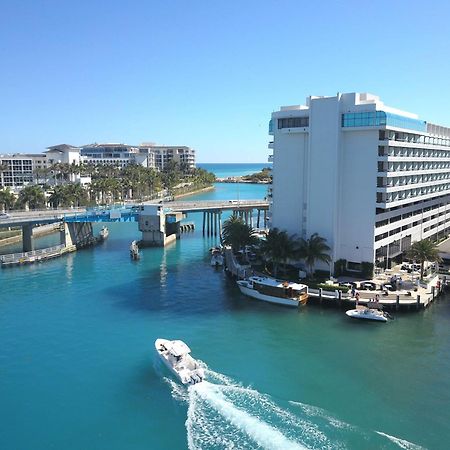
[[208, 74]]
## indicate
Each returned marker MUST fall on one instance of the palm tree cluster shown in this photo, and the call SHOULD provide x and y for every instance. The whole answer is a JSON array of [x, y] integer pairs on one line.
[[237, 234], [279, 247], [109, 184], [425, 250]]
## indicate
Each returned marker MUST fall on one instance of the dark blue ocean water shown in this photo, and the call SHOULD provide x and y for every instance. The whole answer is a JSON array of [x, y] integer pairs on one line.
[[78, 371]]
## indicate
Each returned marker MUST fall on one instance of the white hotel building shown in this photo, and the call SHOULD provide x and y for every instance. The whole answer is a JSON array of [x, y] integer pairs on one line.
[[369, 178]]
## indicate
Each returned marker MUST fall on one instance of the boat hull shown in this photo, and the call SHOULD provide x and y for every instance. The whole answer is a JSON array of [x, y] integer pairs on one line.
[[267, 298], [162, 357], [361, 315], [217, 261]]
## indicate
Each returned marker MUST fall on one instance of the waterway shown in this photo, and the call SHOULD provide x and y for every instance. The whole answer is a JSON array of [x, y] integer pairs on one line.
[[77, 367]]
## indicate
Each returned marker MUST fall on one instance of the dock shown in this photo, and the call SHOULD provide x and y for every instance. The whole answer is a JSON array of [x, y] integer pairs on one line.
[[17, 259]]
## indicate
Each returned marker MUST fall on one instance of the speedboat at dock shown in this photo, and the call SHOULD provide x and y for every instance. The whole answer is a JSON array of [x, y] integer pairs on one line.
[[272, 290], [176, 356], [368, 313], [217, 257]]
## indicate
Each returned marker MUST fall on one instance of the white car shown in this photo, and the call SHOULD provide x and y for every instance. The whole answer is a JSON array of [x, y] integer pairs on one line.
[[4, 216]]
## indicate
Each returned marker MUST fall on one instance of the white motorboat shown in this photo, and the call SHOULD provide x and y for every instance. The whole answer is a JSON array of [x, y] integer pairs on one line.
[[217, 257], [175, 355], [104, 233], [274, 291], [134, 251], [368, 313]]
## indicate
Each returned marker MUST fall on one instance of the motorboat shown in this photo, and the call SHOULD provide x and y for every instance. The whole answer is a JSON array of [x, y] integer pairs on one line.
[[271, 290], [372, 312], [134, 251], [216, 257], [176, 356], [104, 233]]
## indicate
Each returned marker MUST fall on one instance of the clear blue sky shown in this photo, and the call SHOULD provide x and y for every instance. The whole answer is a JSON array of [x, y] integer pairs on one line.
[[208, 74]]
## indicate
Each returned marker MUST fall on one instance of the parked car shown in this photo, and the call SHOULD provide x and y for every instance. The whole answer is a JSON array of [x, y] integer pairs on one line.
[[368, 285], [4, 216]]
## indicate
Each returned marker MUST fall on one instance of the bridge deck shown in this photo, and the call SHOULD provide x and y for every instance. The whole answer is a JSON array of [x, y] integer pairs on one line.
[[125, 213]]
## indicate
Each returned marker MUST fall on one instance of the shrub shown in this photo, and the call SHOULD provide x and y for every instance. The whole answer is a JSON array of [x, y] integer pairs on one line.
[[367, 269]]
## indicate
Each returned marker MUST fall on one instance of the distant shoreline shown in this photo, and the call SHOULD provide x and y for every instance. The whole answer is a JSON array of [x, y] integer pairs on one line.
[[197, 191], [239, 179]]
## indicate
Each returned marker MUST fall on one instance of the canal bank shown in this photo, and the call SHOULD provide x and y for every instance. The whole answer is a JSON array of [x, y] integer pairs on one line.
[[16, 236]]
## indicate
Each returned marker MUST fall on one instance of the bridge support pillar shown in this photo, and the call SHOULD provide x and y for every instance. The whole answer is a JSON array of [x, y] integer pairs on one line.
[[204, 222], [27, 238], [257, 218], [215, 223]]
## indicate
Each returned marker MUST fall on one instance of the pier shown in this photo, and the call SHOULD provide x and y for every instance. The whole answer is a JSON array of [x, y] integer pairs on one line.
[[16, 259]]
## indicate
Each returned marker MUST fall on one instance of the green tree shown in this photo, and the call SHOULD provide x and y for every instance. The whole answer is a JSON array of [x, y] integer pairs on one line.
[[422, 251], [7, 199], [314, 249], [237, 234], [58, 197], [278, 247], [171, 175], [33, 196]]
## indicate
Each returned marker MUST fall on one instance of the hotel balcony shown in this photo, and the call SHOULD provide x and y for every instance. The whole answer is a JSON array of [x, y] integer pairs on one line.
[[270, 159]]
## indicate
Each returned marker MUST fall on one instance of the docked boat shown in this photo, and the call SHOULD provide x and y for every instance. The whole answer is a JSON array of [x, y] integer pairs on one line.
[[372, 312], [216, 257], [134, 251], [104, 233], [271, 290], [176, 356]]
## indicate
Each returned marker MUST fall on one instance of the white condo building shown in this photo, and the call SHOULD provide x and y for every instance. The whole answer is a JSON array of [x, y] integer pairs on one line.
[[21, 169], [369, 178], [161, 155]]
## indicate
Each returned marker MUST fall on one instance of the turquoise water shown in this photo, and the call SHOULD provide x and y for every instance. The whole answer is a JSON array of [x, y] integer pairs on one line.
[[77, 368], [233, 170]]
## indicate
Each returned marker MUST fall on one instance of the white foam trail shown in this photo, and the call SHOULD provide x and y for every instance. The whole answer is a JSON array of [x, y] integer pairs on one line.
[[262, 433], [402, 443], [315, 411]]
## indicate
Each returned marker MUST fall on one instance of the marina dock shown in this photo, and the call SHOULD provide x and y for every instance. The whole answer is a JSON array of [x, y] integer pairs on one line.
[[17, 259]]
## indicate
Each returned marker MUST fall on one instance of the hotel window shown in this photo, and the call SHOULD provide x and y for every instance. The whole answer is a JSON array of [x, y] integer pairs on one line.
[[293, 122]]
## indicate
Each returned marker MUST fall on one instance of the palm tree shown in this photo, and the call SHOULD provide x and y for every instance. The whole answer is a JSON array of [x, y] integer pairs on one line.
[[7, 199], [422, 251], [59, 197], [312, 250], [237, 234], [33, 196], [279, 247]]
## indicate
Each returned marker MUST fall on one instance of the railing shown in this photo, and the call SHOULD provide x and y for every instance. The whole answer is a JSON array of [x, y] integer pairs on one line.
[[17, 258], [228, 204]]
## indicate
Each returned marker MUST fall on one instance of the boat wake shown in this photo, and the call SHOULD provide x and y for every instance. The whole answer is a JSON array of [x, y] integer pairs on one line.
[[223, 414]]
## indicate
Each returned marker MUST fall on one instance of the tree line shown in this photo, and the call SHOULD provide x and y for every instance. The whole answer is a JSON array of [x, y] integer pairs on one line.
[[279, 247], [108, 184]]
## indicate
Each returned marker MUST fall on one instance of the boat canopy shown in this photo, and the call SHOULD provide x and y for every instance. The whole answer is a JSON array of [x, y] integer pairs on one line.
[[179, 348]]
